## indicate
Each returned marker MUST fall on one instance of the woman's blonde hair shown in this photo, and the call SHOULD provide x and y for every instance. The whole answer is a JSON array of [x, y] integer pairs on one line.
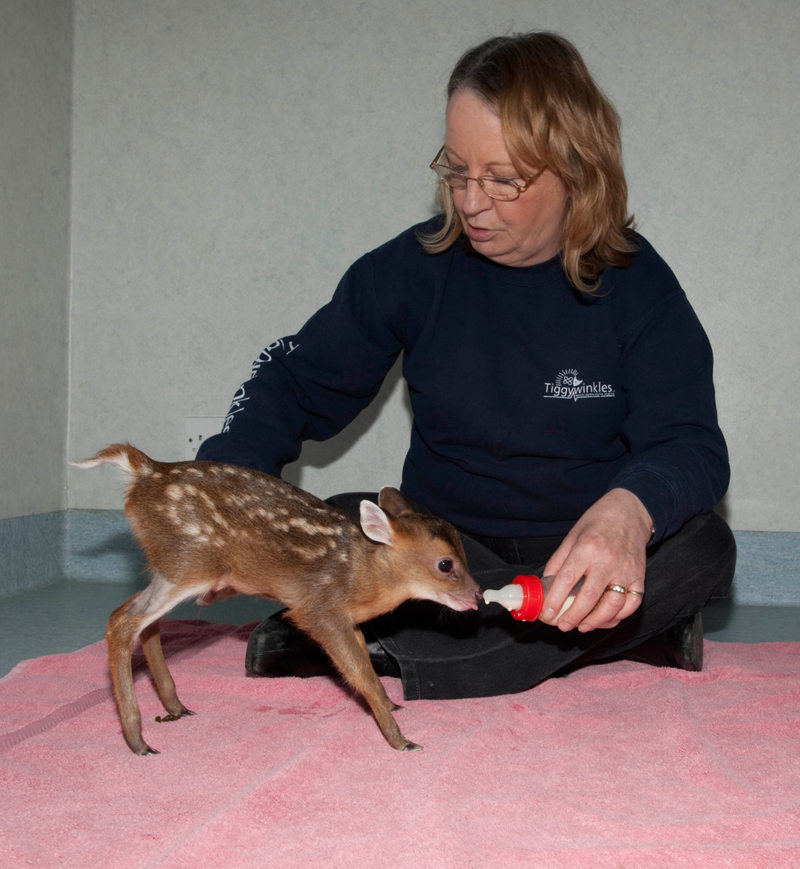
[[553, 115]]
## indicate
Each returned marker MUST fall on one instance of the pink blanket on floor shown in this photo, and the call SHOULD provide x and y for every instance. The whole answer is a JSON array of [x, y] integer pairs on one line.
[[620, 765]]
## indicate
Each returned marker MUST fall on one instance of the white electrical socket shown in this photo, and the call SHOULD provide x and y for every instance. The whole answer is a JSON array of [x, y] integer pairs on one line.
[[196, 430]]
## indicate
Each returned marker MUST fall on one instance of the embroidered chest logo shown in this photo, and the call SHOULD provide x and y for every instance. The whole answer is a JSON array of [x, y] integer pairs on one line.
[[569, 385]]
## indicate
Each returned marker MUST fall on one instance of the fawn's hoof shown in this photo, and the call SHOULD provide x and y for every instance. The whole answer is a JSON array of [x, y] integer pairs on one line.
[[163, 719]]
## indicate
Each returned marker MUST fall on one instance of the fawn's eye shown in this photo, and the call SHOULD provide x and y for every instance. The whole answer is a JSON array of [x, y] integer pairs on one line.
[[445, 565]]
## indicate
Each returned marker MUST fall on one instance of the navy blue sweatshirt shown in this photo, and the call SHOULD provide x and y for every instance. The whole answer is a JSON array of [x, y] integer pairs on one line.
[[530, 399]]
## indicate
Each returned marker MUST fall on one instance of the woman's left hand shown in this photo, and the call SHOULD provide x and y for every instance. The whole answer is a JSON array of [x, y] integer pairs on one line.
[[606, 546]]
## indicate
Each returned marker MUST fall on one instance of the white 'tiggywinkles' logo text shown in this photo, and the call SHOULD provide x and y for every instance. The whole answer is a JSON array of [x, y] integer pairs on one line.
[[569, 386], [282, 345]]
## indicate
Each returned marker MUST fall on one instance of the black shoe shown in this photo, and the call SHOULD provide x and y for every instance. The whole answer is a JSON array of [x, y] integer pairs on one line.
[[277, 648], [383, 663], [679, 647]]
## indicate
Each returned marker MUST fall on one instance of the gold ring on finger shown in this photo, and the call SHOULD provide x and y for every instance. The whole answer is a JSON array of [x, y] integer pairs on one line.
[[638, 593], [617, 588]]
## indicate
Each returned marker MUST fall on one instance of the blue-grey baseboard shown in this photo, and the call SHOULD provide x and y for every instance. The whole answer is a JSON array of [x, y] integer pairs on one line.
[[31, 550], [97, 546], [767, 568], [100, 548]]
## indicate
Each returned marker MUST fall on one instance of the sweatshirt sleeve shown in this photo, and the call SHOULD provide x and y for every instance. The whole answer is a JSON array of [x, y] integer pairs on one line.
[[309, 386], [679, 461]]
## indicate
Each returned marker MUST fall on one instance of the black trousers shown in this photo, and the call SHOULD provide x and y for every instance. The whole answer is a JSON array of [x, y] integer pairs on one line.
[[447, 655]]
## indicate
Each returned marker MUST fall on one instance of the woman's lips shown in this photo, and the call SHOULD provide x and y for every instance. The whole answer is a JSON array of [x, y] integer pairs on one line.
[[477, 233]]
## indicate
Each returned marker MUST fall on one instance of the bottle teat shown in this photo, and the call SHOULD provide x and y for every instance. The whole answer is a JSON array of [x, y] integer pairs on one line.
[[522, 598], [510, 596]]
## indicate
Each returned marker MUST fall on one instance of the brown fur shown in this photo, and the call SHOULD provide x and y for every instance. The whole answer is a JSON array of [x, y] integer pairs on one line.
[[213, 530]]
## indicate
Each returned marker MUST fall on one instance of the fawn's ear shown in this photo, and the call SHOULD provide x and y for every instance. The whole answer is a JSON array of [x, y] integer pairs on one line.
[[375, 523], [393, 502]]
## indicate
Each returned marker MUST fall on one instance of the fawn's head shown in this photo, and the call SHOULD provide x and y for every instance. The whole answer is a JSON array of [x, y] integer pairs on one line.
[[425, 550]]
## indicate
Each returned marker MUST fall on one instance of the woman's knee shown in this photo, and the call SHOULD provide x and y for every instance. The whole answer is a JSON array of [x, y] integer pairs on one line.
[[700, 558]]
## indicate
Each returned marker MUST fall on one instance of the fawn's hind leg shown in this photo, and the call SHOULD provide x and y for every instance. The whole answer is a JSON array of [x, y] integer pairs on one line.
[[140, 615], [150, 638]]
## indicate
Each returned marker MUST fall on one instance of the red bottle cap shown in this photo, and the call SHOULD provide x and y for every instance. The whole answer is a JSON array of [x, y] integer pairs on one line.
[[533, 598]]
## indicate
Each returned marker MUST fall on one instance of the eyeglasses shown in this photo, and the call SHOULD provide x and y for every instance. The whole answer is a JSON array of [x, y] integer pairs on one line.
[[504, 189]]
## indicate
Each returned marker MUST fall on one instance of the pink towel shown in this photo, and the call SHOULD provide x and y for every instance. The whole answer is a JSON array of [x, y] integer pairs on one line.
[[617, 765]]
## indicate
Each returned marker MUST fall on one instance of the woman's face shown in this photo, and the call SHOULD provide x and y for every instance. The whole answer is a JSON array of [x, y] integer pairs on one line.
[[522, 232]]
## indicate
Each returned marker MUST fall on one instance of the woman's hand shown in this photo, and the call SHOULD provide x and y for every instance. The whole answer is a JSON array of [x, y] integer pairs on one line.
[[606, 546]]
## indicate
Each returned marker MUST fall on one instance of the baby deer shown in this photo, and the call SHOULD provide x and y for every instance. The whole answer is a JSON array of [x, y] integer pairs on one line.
[[211, 530]]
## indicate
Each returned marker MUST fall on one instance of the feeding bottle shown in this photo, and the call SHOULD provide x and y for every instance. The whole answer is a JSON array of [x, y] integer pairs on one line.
[[523, 598]]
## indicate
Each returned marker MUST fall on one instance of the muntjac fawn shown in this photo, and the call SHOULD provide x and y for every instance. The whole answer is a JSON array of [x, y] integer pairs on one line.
[[211, 530]]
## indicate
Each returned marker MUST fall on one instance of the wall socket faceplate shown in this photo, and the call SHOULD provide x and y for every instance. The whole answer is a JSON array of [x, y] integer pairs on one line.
[[196, 430]]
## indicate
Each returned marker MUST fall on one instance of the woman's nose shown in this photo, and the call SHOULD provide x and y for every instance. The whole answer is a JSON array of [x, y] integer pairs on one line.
[[475, 199]]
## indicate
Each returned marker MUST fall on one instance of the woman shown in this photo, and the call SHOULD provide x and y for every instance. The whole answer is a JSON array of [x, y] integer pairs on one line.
[[561, 385]]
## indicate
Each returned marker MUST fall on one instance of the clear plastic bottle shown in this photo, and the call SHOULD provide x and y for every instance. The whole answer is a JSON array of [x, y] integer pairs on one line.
[[524, 597]]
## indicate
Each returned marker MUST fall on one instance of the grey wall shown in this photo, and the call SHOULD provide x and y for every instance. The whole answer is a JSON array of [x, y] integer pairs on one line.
[[35, 93], [230, 160]]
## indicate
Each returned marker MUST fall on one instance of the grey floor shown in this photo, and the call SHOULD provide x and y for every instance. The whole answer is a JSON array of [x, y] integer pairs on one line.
[[70, 615]]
